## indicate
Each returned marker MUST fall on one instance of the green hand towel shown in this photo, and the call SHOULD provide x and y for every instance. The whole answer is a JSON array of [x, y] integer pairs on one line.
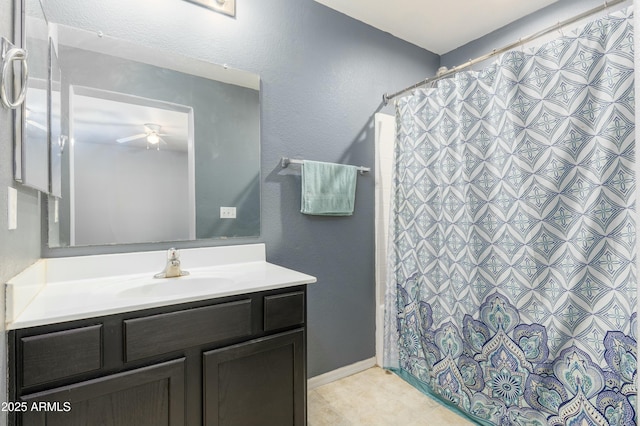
[[328, 189]]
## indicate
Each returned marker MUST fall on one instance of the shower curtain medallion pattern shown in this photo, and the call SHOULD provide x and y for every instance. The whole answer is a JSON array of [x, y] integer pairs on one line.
[[513, 289]]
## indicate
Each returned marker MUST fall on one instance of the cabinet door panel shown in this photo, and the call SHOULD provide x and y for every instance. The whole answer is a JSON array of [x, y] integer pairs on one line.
[[150, 396], [261, 382]]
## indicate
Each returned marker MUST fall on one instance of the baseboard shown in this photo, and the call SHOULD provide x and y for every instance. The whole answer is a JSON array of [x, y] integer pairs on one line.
[[340, 373]]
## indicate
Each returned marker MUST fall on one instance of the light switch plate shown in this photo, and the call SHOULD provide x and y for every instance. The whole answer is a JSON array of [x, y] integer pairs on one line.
[[12, 206], [227, 212]]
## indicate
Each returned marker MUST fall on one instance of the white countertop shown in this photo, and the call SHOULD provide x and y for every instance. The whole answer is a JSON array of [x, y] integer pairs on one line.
[[46, 294]]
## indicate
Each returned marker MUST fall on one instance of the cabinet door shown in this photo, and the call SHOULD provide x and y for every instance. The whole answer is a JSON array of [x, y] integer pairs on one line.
[[261, 382], [149, 396]]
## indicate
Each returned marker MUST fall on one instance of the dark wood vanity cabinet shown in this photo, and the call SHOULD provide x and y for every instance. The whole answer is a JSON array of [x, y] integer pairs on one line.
[[239, 360]]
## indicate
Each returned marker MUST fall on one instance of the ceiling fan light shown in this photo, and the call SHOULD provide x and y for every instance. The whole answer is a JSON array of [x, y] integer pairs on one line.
[[153, 138]]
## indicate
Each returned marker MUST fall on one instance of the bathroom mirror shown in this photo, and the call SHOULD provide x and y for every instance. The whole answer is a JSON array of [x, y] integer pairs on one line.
[[31, 149], [151, 145]]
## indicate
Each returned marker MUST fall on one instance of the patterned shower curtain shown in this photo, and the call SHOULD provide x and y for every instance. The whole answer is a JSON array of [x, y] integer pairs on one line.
[[512, 288]]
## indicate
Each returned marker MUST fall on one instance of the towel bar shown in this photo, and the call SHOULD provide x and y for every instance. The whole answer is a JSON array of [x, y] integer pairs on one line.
[[285, 161]]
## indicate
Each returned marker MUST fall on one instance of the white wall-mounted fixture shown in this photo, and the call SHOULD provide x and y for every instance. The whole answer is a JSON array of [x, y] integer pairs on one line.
[[228, 7]]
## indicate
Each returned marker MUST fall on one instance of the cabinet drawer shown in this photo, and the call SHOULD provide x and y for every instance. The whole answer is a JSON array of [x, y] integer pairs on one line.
[[54, 356], [283, 310], [163, 333]]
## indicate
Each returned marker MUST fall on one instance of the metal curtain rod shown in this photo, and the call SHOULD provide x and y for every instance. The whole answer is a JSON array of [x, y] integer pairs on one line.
[[285, 161], [387, 97]]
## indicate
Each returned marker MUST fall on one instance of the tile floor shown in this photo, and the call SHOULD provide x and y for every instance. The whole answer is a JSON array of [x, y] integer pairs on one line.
[[376, 398]]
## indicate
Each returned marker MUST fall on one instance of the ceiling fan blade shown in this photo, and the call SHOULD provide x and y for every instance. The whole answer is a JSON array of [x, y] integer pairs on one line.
[[152, 128], [131, 138]]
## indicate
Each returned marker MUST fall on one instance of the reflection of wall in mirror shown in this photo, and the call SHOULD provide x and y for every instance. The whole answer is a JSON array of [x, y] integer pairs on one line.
[[34, 153], [36, 148], [142, 200], [227, 134], [57, 139]]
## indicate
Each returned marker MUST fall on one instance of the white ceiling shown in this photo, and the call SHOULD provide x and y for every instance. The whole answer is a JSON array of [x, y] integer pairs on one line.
[[437, 25]]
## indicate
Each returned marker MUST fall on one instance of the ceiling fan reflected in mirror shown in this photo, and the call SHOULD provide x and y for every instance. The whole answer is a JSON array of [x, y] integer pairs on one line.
[[151, 134]]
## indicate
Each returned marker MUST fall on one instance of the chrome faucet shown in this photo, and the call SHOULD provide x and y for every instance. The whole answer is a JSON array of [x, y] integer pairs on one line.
[[172, 269]]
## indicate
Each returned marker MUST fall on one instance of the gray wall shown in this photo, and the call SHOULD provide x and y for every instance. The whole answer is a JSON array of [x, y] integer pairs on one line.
[[323, 76]]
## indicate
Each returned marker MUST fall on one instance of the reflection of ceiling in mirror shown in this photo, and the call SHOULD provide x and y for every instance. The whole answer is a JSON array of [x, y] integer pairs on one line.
[[88, 40], [97, 120]]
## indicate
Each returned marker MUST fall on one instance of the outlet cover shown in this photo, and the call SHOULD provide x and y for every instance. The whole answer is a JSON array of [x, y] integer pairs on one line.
[[227, 212]]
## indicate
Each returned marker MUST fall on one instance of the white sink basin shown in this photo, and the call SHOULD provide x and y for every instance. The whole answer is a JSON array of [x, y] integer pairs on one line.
[[187, 285]]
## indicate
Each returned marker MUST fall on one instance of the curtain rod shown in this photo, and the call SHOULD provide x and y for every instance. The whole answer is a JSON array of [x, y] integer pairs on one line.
[[387, 97]]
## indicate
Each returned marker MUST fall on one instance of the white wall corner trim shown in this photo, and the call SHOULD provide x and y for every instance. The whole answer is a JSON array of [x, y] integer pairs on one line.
[[385, 137]]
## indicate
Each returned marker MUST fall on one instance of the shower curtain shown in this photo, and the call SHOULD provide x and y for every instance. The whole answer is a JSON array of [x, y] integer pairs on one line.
[[512, 284]]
